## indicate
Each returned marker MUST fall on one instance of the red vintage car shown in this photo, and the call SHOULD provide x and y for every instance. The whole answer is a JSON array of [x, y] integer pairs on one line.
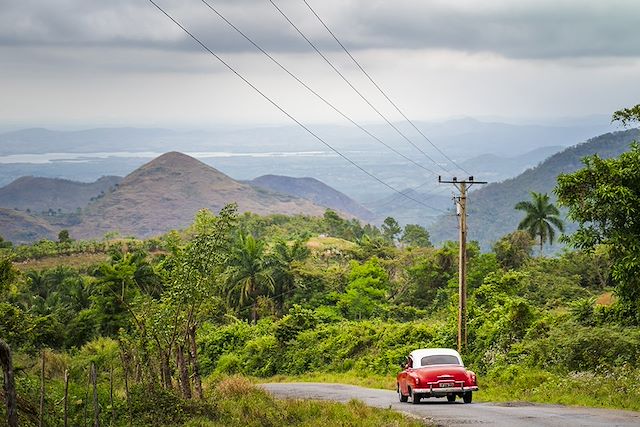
[[435, 372]]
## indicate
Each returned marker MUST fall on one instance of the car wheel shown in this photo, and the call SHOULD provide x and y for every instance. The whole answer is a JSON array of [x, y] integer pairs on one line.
[[415, 398], [467, 397], [451, 398], [401, 396]]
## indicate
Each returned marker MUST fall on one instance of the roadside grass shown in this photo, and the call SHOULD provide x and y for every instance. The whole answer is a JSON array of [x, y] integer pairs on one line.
[[617, 388], [238, 402], [350, 377]]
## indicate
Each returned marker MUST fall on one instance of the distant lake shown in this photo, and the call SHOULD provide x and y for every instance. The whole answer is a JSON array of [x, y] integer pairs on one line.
[[45, 158]]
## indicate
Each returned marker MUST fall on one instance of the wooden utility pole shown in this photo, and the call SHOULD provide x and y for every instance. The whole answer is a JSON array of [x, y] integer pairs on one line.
[[461, 210]]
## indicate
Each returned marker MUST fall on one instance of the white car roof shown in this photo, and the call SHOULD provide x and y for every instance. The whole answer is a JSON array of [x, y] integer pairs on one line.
[[417, 355]]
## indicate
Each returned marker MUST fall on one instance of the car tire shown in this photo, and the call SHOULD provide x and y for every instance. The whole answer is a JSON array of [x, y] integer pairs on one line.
[[415, 398], [451, 398], [467, 397], [401, 396]]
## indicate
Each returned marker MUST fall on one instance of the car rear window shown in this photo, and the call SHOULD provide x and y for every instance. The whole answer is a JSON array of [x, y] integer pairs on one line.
[[439, 359]]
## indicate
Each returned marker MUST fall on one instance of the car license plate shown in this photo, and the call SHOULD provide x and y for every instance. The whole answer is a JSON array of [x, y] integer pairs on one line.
[[443, 385]]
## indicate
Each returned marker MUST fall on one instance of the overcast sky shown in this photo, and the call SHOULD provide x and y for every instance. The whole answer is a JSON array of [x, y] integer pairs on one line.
[[121, 62]]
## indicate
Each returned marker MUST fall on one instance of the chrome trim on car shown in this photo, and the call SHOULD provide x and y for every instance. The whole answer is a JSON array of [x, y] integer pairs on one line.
[[435, 391]]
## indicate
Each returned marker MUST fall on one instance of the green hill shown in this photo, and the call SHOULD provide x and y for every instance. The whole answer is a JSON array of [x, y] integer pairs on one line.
[[167, 192], [491, 208]]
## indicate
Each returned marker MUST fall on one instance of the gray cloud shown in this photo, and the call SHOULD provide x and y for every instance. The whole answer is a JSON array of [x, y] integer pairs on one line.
[[523, 29], [515, 29]]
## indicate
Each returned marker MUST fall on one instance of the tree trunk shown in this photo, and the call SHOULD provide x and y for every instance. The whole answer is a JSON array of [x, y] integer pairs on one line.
[[254, 312], [9, 384], [41, 418], [166, 373], [184, 373], [541, 243], [96, 405], [194, 362], [125, 368], [66, 397]]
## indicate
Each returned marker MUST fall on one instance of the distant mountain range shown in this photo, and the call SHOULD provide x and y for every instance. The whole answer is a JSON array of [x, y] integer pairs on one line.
[[491, 207], [161, 195], [462, 138], [166, 192], [246, 153]]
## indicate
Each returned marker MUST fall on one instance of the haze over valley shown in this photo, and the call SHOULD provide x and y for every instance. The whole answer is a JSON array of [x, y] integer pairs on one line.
[[312, 179]]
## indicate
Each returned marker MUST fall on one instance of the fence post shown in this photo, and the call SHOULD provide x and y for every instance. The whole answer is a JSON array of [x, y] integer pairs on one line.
[[41, 417], [66, 397], [96, 405]]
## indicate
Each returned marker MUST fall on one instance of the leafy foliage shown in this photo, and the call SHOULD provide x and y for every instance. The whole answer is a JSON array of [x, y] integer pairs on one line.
[[415, 235], [541, 218], [604, 198]]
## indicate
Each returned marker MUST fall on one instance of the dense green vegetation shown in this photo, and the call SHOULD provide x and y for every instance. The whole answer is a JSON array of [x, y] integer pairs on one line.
[[232, 296], [164, 322]]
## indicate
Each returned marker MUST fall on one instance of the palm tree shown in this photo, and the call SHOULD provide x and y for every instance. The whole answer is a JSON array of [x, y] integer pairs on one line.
[[248, 273], [541, 218], [284, 258]]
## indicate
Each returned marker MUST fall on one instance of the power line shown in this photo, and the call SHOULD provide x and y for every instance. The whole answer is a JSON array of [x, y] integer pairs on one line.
[[281, 109], [394, 198], [354, 88], [306, 86], [380, 89]]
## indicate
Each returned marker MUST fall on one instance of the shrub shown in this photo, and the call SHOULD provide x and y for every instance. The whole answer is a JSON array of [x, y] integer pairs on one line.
[[234, 386]]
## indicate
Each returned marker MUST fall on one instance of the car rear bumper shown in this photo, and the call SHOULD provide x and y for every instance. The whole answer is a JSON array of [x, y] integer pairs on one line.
[[435, 391]]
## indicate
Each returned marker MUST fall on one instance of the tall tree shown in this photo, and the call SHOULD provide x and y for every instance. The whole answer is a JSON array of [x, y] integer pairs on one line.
[[248, 273], [415, 235], [390, 229], [604, 199], [541, 218], [514, 249], [284, 258], [193, 275]]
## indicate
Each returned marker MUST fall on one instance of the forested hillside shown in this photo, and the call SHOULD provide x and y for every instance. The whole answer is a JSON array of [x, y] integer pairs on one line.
[[491, 212]]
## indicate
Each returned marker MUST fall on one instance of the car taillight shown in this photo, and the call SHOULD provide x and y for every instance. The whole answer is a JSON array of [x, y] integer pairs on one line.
[[417, 380]]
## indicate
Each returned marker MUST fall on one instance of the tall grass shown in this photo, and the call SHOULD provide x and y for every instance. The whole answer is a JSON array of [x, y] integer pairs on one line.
[[239, 403]]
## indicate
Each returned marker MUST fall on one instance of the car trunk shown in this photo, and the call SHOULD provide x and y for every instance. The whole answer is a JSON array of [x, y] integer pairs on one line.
[[442, 373]]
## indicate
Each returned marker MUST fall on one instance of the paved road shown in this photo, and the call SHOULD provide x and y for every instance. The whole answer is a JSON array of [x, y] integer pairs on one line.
[[442, 413]]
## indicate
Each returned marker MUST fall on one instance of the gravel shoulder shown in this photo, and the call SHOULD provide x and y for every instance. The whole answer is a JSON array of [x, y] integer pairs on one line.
[[442, 413]]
